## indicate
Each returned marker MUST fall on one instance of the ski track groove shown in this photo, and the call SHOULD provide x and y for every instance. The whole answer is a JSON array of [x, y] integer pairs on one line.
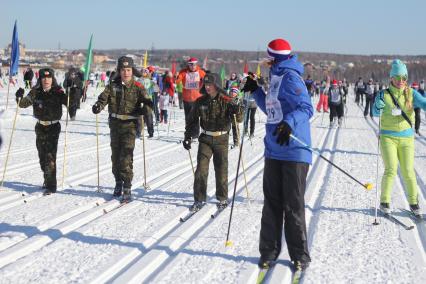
[[420, 228], [127, 205], [120, 266], [181, 256], [282, 271], [23, 197], [391, 231]]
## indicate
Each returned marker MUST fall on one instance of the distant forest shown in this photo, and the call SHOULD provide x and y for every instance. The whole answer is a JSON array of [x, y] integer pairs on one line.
[[316, 64]]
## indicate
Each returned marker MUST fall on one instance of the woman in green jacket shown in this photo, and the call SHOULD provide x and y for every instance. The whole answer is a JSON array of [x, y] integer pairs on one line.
[[395, 106]]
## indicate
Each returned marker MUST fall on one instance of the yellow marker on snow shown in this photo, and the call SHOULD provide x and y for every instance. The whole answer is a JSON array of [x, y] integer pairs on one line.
[[368, 186], [228, 244]]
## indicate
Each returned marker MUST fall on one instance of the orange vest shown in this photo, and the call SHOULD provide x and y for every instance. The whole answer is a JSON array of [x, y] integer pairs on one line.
[[192, 83]]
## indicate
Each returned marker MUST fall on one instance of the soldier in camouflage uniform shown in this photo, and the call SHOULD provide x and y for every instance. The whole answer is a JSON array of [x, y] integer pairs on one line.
[[47, 99], [126, 100], [215, 111], [73, 85]]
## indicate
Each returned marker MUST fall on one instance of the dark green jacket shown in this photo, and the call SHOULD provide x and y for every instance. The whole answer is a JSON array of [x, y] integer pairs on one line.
[[46, 105], [213, 114], [124, 99]]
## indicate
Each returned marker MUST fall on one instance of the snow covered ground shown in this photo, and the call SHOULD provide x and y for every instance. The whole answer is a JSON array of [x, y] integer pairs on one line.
[[81, 236]]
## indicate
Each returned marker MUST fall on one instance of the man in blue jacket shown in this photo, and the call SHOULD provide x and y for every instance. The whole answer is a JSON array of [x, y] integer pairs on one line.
[[288, 108]]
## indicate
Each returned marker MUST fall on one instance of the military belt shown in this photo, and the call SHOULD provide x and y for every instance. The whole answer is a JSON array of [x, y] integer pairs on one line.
[[47, 122], [214, 133], [123, 116]]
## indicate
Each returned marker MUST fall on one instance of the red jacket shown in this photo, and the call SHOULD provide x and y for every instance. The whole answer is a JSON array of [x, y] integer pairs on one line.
[[168, 86]]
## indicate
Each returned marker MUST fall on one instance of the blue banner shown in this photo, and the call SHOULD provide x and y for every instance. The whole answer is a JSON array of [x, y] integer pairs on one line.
[[14, 53]]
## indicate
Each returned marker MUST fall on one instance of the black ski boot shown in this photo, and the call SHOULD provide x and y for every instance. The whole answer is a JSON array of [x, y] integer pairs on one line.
[[127, 195], [118, 189], [300, 265], [197, 206], [385, 208], [222, 204], [415, 209], [265, 262], [49, 191]]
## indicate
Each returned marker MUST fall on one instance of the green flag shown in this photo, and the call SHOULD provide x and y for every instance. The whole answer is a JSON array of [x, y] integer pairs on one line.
[[222, 74], [89, 56]]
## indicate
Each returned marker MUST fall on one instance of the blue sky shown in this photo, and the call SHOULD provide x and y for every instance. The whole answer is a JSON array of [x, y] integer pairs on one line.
[[348, 27]]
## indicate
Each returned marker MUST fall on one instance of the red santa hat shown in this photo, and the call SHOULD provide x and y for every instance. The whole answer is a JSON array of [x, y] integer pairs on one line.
[[415, 85], [192, 60], [334, 83], [279, 49]]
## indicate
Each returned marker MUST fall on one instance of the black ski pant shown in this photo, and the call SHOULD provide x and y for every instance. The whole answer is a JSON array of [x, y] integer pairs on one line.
[[359, 97], [336, 110], [187, 107], [180, 100], [47, 146], [251, 117], [417, 119], [284, 184], [369, 101], [155, 107], [235, 130]]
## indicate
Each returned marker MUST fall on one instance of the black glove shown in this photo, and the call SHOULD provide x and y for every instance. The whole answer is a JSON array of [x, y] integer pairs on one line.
[[142, 111], [147, 102], [19, 94], [96, 108], [282, 132], [250, 85], [187, 143], [235, 108]]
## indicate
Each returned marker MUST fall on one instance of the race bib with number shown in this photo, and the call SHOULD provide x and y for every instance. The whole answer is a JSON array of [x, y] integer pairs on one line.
[[396, 112], [192, 81], [273, 105]]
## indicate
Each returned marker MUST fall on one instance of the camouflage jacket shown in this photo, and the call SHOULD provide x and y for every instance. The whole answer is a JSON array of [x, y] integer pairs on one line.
[[125, 99], [46, 105], [213, 114]]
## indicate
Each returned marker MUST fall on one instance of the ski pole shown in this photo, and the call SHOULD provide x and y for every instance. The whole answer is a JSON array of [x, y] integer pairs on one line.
[[7, 97], [145, 185], [192, 164], [377, 177], [10, 142], [229, 242], [367, 186], [168, 124], [242, 159], [97, 150], [65, 139]]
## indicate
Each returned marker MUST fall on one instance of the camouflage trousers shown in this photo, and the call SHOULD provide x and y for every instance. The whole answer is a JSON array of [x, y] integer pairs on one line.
[[123, 135], [218, 148], [47, 147]]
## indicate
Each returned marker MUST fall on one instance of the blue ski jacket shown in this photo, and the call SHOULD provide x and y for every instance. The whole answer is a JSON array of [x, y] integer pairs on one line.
[[287, 100]]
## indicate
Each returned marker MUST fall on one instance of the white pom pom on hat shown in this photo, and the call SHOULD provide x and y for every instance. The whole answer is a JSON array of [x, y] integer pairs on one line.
[[279, 49]]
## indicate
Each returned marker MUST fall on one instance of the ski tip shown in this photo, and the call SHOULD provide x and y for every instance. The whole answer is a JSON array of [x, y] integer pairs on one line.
[[410, 227], [368, 186], [229, 244]]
